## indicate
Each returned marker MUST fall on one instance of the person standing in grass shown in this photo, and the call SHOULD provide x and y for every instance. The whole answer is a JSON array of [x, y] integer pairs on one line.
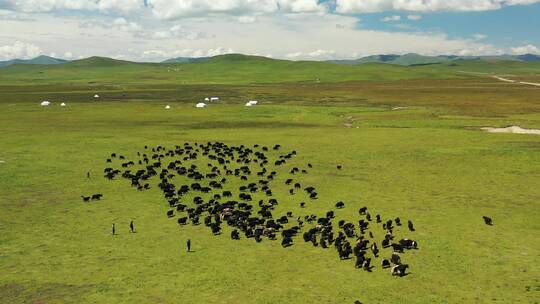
[[188, 244], [132, 227], [88, 174], [113, 229]]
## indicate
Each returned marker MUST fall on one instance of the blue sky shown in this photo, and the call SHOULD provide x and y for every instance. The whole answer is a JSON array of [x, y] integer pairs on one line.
[[153, 30], [507, 27]]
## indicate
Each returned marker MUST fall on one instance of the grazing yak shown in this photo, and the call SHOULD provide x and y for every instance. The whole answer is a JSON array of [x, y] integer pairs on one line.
[[215, 205], [409, 244], [400, 270], [286, 242], [397, 247], [487, 220], [395, 258], [410, 225], [375, 249], [97, 197]]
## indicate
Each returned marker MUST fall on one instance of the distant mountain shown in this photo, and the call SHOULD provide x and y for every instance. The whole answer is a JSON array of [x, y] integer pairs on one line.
[[38, 60], [410, 59], [219, 58], [185, 59], [96, 61], [413, 59], [528, 57]]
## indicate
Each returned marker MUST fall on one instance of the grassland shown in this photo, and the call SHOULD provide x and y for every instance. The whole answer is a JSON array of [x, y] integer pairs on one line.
[[241, 69], [428, 162]]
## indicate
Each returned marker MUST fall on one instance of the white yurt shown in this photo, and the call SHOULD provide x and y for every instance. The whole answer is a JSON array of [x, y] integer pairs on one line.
[[167, 107], [207, 99], [200, 105], [96, 96], [214, 99], [253, 102], [45, 103], [63, 104], [249, 104]]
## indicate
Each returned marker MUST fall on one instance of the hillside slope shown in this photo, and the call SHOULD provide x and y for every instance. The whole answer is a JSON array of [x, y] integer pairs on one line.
[[242, 69]]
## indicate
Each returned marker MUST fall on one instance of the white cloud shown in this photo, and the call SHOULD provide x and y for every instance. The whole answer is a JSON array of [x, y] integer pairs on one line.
[[175, 32], [403, 26], [525, 49], [68, 55], [247, 19], [298, 36], [20, 50], [391, 18], [125, 25], [293, 55], [159, 55], [313, 55], [478, 50], [173, 9], [36, 6], [370, 6], [479, 36], [11, 15], [121, 24], [414, 17]]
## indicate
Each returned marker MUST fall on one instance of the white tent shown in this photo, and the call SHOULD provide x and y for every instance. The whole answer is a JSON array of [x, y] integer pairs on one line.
[[207, 99], [167, 107], [214, 98], [63, 104], [96, 96], [249, 104], [45, 103], [200, 105], [253, 102]]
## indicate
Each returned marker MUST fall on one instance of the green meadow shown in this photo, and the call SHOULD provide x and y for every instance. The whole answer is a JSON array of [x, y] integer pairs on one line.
[[408, 138]]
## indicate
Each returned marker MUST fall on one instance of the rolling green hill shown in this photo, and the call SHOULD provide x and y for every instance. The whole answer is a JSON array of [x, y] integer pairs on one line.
[[45, 60], [412, 59], [185, 59], [243, 69]]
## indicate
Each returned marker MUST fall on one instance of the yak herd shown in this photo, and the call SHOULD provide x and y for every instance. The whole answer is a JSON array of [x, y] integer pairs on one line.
[[197, 182]]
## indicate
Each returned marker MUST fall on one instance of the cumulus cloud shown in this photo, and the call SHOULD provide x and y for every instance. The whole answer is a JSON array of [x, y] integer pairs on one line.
[[39, 6], [21, 50], [172, 9], [371, 6], [11, 15], [135, 29], [118, 24], [124, 25], [313, 55], [391, 18], [247, 19], [479, 36], [414, 17], [175, 32], [525, 49], [294, 36], [478, 50], [321, 55], [157, 55]]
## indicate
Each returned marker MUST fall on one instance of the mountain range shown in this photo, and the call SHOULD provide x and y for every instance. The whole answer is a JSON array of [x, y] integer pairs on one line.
[[411, 59], [38, 60]]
